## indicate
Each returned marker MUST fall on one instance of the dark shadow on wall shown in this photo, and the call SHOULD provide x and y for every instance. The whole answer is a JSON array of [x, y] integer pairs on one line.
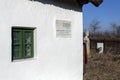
[[67, 4]]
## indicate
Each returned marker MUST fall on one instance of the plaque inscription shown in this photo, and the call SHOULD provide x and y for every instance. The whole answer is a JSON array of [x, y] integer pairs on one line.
[[63, 29]]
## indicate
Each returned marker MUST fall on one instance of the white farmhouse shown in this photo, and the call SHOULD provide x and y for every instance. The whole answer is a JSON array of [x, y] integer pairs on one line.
[[41, 39]]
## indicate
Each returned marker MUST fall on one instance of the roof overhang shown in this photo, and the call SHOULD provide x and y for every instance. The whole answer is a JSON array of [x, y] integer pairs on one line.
[[74, 2], [94, 2], [81, 2]]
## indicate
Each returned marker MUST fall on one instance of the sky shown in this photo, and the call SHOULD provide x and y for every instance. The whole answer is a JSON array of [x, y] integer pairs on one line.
[[108, 12]]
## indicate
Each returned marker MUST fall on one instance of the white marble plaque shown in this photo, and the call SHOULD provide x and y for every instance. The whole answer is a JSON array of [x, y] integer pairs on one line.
[[63, 29]]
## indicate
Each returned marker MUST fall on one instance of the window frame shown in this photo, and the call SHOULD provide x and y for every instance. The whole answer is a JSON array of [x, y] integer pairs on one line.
[[22, 44]]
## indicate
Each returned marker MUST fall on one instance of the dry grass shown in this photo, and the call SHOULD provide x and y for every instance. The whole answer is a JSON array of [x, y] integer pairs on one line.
[[103, 67]]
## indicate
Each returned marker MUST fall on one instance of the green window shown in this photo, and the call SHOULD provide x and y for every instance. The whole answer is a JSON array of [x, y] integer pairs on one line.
[[22, 43]]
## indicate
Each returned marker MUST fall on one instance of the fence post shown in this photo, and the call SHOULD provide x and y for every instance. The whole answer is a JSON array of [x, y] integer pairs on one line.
[[87, 43], [84, 57]]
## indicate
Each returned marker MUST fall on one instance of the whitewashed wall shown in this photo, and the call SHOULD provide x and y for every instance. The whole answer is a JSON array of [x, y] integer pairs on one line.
[[55, 58]]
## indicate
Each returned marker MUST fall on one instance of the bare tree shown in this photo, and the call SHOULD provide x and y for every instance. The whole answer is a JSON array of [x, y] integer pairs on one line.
[[115, 29], [94, 26]]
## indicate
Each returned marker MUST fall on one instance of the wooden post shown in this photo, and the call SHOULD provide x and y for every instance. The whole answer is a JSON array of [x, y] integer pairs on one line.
[[84, 57], [87, 43]]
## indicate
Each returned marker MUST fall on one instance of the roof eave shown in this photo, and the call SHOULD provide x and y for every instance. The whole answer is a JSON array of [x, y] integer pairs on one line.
[[96, 2]]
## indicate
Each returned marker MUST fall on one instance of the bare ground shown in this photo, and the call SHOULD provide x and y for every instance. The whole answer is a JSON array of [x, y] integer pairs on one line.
[[103, 67]]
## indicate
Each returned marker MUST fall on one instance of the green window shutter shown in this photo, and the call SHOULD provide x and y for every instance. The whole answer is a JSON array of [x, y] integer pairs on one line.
[[22, 43], [17, 44], [28, 43]]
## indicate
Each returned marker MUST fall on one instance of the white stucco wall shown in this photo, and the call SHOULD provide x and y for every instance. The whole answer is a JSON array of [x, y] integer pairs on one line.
[[54, 58]]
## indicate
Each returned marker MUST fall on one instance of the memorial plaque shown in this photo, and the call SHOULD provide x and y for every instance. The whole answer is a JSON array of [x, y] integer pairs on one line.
[[63, 29]]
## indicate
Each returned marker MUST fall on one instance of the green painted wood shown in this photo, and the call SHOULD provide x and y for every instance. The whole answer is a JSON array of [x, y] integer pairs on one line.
[[23, 34]]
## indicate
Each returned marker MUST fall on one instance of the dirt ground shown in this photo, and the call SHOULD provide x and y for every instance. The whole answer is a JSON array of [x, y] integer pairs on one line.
[[103, 67]]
